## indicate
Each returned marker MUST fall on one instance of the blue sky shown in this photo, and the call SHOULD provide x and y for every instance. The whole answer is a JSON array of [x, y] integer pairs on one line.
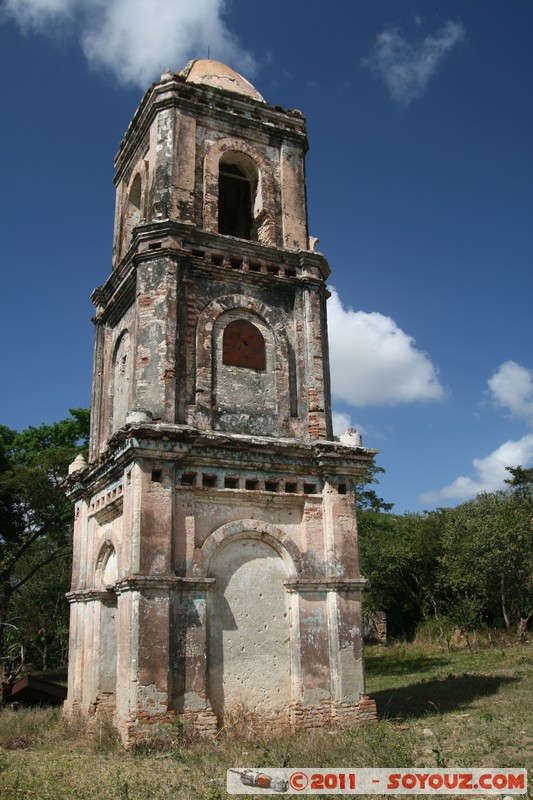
[[420, 189]]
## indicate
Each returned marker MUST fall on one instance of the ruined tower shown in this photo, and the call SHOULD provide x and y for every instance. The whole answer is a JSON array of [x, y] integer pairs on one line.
[[215, 546]]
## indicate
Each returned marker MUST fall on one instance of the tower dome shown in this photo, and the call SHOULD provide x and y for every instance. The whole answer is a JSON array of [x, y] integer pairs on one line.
[[214, 73]]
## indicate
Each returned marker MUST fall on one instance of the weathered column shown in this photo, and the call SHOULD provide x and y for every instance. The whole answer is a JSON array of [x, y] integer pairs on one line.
[[311, 706], [97, 396], [143, 662], [318, 401], [189, 655], [155, 368]]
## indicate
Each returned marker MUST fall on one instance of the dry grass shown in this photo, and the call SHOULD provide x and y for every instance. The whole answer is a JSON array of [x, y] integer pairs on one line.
[[437, 708]]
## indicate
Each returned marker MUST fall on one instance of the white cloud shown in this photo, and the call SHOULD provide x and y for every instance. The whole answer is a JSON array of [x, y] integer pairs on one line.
[[489, 473], [511, 387], [374, 362], [38, 13], [406, 68], [342, 421], [136, 39]]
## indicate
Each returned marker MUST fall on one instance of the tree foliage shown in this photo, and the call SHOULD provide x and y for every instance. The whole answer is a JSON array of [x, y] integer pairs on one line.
[[468, 567], [486, 564], [35, 520], [367, 498]]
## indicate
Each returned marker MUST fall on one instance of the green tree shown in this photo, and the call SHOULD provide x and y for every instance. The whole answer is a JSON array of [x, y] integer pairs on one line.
[[367, 498], [399, 556], [467, 567], [382, 555], [486, 565], [35, 516], [40, 612], [522, 487], [522, 478]]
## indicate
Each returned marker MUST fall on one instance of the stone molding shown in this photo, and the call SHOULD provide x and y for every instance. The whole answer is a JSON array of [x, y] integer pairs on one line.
[[325, 585], [88, 595], [136, 583], [176, 442], [195, 584]]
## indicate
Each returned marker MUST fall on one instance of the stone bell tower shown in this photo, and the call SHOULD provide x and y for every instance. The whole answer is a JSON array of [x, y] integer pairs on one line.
[[215, 547]]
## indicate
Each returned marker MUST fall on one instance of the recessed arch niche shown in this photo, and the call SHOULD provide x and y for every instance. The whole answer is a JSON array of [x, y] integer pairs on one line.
[[120, 385], [249, 664], [133, 211], [107, 628], [244, 377]]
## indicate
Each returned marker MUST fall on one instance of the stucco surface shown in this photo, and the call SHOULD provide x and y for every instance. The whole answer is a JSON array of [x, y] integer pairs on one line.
[[249, 657]]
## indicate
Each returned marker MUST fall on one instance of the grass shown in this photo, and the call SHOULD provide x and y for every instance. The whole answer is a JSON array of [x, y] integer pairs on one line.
[[437, 708]]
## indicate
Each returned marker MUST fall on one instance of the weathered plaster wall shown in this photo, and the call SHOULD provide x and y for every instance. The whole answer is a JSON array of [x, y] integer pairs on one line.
[[314, 662], [183, 167], [249, 656], [244, 399], [212, 510]]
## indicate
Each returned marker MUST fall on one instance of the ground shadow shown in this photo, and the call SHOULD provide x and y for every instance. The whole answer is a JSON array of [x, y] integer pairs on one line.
[[438, 696], [404, 666]]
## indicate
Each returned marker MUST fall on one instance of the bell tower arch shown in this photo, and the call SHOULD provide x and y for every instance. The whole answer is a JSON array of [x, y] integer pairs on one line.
[[211, 423]]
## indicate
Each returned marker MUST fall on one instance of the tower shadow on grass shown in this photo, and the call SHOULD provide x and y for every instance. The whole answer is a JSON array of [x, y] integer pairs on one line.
[[454, 693], [407, 664]]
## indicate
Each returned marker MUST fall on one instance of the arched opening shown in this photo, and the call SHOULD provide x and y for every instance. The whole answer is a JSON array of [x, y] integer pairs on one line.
[[237, 186], [106, 576], [133, 211], [110, 569], [121, 382], [243, 345], [135, 192]]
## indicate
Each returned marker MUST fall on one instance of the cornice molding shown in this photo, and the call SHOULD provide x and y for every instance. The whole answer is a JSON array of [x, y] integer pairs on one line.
[[325, 585]]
